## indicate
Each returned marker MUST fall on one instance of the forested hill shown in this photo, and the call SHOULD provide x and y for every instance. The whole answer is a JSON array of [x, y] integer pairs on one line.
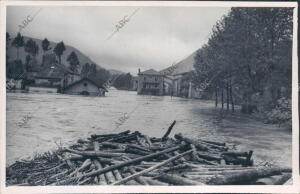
[[12, 53]]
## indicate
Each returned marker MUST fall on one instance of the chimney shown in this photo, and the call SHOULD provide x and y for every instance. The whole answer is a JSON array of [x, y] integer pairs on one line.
[[139, 71]]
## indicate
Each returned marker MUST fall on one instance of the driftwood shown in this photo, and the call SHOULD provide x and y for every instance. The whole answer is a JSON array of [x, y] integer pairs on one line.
[[177, 180], [274, 180], [138, 179], [93, 153], [136, 159], [101, 178], [164, 138], [151, 168], [198, 145], [247, 175]]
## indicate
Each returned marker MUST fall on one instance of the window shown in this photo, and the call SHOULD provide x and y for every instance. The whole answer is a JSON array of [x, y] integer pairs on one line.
[[85, 84]]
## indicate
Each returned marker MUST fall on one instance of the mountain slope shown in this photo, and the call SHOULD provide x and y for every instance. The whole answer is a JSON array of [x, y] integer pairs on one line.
[[185, 65], [12, 53]]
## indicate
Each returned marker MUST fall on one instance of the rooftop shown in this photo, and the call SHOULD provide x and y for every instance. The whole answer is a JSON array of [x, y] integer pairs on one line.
[[150, 72]]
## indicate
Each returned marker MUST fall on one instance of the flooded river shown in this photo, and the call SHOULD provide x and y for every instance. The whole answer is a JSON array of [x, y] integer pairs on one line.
[[37, 122]]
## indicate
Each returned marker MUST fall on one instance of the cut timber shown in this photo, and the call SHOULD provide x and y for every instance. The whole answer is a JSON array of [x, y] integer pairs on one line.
[[245, 176], [198, 145], [93, 153], [101, 178], [164, 138], [213, 142], [209, 157], [140, 179], [152, 168], [117, 174], [177, 180], [275, 180], [126, 163], [243, 154], [109, 176]]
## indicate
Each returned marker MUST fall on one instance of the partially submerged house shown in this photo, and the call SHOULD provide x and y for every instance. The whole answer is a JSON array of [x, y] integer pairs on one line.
[[85, 86], [150, 82]]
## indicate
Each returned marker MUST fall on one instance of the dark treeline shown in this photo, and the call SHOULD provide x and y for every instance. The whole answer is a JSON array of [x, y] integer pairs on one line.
[[248, 61], [15, 66], [123, 81]]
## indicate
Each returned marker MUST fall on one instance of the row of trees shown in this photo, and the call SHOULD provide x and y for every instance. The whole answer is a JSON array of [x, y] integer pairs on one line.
[[32, 49], [248, 58]]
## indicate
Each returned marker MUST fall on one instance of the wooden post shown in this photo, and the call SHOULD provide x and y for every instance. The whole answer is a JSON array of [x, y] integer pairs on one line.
[[168, 131]]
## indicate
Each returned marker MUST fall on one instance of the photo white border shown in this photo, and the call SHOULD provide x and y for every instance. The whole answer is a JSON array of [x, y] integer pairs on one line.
[[150, 189]]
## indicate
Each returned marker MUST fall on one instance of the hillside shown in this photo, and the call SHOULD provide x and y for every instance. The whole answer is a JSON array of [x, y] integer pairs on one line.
[[12, 53], [185, 65]]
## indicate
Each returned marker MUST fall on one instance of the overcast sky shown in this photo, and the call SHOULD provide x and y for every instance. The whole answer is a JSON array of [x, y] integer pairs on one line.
[[155, 37]]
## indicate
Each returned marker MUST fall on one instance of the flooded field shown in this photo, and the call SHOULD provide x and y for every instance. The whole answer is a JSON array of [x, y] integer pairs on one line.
[[38, 122]]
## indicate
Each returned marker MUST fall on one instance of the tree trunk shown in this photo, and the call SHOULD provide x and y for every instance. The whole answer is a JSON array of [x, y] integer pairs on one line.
[[134, 176], [222, 97], [177, 180], [227, 95], [216, 94], [17, 53], [164, 138], [231, 97], [120, 165], [198, 144], [245, 176]]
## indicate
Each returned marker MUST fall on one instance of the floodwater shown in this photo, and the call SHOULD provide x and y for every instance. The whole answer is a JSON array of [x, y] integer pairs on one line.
[[39, 122]]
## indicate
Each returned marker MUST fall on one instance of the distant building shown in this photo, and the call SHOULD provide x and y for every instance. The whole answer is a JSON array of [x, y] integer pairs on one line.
[[135, 82], [150, 82], [85, 86]]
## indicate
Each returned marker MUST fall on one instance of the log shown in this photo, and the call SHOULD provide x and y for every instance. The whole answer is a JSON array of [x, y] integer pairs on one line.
[[164, 138], [243, 154], [137, 179], [248, 159], [93, 153], [151, 181], [136, 151], [214, 143], [151, 168], [83, 166], [274, 180], [245, 176], [209, 157], [177, 180], [147, 138], [113, 145], [117, 174], [126, 163], [94, 136], [132, 182], [101, 177], [110, 178], [198, 145]]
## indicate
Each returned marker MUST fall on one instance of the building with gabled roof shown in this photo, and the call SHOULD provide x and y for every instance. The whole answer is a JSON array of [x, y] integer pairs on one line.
[[85, 86], [150, 82]]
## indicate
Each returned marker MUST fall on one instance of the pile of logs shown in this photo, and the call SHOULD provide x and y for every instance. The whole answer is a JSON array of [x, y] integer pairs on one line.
[[135, 159]]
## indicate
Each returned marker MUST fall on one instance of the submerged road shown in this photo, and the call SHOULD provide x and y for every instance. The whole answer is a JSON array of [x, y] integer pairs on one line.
[[37, 122]]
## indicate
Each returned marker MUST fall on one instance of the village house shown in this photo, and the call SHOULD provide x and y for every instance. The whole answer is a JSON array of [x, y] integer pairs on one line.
[[150, 82], [85, 86], [135, 82]]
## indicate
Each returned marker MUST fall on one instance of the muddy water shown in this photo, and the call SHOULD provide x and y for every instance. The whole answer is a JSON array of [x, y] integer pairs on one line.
[[38, 122]]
